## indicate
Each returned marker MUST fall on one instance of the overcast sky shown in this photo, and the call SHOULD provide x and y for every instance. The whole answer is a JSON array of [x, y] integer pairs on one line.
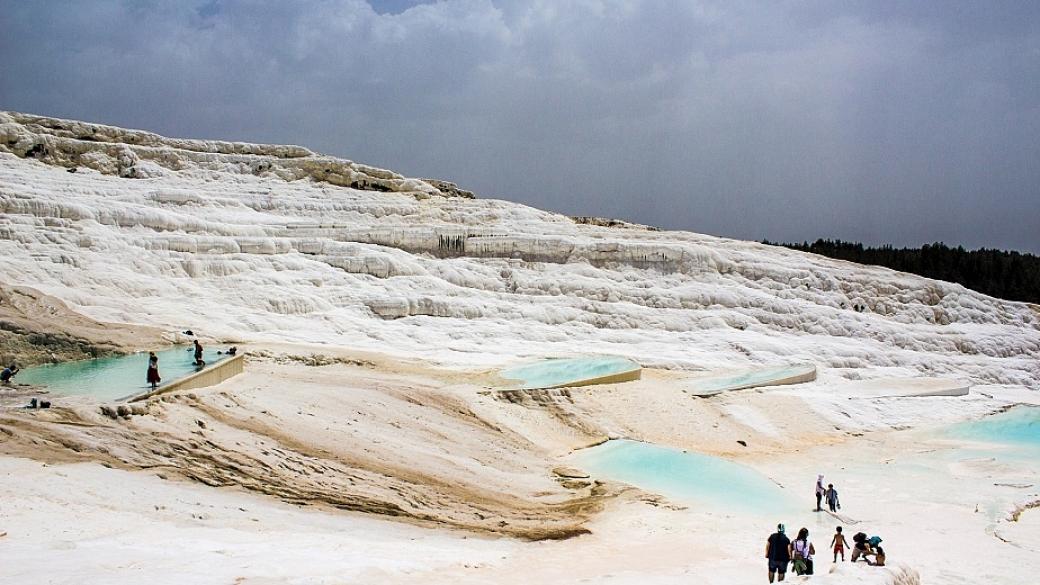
[[881, 121]]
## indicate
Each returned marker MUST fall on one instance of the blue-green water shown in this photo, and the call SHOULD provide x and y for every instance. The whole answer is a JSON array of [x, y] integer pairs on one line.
[[684, 476], [117, 377], [748, 379], [560, 372], [1017, 427]]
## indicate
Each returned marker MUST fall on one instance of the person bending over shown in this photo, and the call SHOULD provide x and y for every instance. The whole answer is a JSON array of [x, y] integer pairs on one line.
[[8, 374], [861, 548]]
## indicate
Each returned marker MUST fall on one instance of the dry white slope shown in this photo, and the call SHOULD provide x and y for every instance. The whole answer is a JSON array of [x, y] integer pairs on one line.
[[259, 242]]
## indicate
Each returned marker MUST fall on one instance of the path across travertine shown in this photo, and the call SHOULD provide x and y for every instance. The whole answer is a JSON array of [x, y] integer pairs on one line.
[[842, 518]]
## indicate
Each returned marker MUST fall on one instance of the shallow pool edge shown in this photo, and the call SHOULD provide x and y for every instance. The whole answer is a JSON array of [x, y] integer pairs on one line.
[[211, 376]]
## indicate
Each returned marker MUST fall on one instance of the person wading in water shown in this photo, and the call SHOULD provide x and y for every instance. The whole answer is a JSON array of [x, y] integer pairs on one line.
[[198, 354], [153, 370]]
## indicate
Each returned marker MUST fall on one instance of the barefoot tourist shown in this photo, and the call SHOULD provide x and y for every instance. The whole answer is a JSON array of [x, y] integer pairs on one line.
[[879, 553], [839, 544]]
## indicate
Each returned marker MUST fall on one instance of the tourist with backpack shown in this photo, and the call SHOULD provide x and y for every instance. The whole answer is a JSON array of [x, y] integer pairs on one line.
[[802, 552]]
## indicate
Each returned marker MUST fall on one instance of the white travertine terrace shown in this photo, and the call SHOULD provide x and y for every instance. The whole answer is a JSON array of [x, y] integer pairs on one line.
[[278, 243]]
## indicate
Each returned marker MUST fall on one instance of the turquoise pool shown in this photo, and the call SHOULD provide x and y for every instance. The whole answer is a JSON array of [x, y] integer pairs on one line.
[[749, 379], [116, 377], [1018, 427], [555, 373], [684, 476]]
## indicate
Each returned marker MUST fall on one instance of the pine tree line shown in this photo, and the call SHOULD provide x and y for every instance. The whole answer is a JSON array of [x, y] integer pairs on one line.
[[1007, 275]]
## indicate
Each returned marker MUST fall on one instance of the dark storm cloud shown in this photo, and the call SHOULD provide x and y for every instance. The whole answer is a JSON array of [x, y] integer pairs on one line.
[[881, 121]]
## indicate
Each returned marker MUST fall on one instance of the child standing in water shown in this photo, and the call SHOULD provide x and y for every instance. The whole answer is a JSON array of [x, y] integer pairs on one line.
[[839, 543]]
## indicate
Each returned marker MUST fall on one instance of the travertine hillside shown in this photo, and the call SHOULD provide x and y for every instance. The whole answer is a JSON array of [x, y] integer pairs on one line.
[[246, 241]]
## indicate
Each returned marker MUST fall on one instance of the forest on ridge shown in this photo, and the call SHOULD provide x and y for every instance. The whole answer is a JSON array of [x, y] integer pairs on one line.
[[1007, 275]]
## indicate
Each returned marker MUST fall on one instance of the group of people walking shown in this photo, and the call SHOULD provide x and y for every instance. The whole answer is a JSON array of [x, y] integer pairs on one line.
[[781, 551], [865, 548]]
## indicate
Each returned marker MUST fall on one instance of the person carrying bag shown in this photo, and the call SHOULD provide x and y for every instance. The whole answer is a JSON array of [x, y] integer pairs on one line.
[[802, 552]]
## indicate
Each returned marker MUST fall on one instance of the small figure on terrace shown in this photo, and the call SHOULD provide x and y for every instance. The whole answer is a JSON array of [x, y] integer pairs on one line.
[[819, 492], [831, 496], [879, 553], [8, 373], [153, 370], [839, 544], [198, 354]]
